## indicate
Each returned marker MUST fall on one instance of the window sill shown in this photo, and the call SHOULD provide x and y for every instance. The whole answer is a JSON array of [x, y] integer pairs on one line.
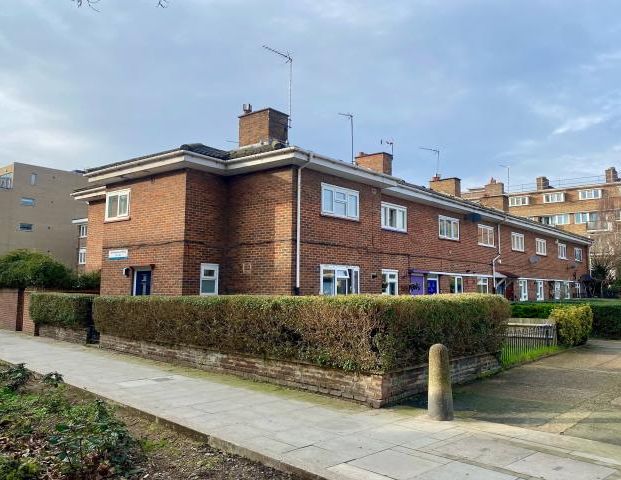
[[396, 230], [449, 239], [518, 251], [485, 245], [115, 220], [330, 215]]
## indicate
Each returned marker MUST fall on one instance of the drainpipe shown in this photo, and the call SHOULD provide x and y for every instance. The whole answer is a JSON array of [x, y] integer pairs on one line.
[[298, 221], [495, 259]]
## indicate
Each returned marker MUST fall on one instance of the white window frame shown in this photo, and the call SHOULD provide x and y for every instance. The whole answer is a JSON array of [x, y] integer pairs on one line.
[[483, 282], [209, 266], [523, 288], [82, 230], [540, 293], [517, 236], [488, 231], [27, 202], [562, 251], [392, 278], [82, 256], [348, 194], [578, 256], [449, 221], [118, 193], [554, 219], [580, 218], [351, 271], [458, 281], [557, 290], [567, 287], [33, 179], [399, 210], [590, 194], [541, 246], [519, 201], [554, 197], [578, 290]]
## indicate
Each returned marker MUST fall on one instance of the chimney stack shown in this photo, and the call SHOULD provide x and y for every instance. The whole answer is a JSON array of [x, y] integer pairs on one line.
[[611, 175], [450, 186], [263, 126], [379, 162], [543, 183], [494, 196]]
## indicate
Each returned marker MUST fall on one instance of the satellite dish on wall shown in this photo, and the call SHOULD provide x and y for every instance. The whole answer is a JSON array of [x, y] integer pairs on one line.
[[534, 259]]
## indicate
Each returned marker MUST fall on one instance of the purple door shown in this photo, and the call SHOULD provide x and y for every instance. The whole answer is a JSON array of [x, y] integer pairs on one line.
[[417, 284]]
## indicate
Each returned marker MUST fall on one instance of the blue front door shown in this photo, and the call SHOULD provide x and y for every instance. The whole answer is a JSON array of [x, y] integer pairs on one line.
[[142, 284], [432, 286]]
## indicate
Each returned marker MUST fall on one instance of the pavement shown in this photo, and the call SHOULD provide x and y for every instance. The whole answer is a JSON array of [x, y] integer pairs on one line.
[[315, 436]]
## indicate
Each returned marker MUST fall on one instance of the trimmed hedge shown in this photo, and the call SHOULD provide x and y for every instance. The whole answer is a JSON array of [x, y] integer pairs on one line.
[[355, 333], [67, 310], [606, 315], [573, 324]]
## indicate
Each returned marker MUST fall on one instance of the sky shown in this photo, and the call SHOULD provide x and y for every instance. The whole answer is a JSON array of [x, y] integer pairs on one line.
[[529, 84]]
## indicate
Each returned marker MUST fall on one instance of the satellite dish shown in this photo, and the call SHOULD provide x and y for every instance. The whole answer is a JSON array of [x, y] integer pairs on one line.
[[534, 259]]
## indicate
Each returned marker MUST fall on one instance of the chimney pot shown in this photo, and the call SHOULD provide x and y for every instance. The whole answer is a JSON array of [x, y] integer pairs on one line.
[[247, 108]]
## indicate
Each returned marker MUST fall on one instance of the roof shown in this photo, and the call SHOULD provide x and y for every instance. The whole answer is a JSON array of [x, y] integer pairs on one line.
[[275, 154]]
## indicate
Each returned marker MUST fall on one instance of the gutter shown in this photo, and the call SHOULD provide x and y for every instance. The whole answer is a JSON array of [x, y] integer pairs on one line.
[[298, 222]]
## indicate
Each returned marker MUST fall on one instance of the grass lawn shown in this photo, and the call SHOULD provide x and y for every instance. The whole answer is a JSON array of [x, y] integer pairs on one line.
[[511, 358], [50, 431]]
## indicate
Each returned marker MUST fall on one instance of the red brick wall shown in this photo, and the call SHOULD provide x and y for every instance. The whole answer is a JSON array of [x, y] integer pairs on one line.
[[94, 241], [261, 232], [365, 244], [28, 326], [10, 308]]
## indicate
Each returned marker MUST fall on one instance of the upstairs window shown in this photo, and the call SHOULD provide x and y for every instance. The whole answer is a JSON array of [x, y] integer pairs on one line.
[[562, 251], [390, 282], [209, 278], [486, 235], [339, 202], [560, 219], [27, 202], [394, 217], [340, 280], [83, 230], [33, 179], [592, 194], [117, 205], [25, 227], [578, 254], [555, 197], [586, 217], [518, 201], [541, 246], [448, 228], [82, 256], [517, 242]]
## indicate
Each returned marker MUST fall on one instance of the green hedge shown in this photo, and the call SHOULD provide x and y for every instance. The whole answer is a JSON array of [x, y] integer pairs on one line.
[[361, 332], [573, 323], [68, 310], [606, 314]]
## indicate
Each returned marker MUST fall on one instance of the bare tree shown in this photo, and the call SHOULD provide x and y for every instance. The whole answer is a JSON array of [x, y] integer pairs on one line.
[[93, 3], [605, 230]]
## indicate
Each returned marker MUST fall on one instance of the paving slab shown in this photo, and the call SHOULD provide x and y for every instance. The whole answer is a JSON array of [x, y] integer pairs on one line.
[[318, 436]]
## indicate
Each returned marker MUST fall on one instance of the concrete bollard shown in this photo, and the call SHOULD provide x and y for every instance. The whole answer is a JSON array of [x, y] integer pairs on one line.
[[440, 393]]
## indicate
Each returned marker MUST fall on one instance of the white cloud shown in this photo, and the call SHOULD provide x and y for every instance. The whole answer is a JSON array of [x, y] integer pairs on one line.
[[580, 123]]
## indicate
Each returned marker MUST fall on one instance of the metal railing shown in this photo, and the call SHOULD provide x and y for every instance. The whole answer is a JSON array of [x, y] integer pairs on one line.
[[522, 337], [6, 183], [560, 183]]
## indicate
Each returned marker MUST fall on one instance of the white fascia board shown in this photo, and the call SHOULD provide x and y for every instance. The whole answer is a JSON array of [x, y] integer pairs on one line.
[[350, 172], [94, 193], [79, 221]]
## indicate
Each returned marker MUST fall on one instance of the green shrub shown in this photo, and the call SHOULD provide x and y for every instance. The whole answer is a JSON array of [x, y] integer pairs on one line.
[[573, 324], [531, 310], [26, 268], [360, 332], [68, 310], [87, 281], [606, 320]]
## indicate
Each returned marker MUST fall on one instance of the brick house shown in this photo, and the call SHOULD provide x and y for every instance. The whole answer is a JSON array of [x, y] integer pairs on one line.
[[269, 218]]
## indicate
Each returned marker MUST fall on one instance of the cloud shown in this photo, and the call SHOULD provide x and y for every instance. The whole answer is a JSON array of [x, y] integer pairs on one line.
[[577, 124]]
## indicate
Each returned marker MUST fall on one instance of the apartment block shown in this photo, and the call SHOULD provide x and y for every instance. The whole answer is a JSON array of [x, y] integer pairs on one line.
[[271, 218], [36, 210]]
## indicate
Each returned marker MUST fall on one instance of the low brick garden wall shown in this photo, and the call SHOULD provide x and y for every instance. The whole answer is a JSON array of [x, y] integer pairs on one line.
[[78, 335], [375, 390], [11, 308]]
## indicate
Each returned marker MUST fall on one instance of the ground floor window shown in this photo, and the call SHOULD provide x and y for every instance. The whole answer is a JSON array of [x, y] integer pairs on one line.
[[557, 290], [82, 256], [457, 284], [209, 278], [340, 280], [390, 282], [539, 284], [578, 292], [483, 285], [567, 287], [523, 286]]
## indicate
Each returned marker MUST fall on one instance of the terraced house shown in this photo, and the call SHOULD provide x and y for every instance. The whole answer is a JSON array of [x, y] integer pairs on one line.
[[271, 218]]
